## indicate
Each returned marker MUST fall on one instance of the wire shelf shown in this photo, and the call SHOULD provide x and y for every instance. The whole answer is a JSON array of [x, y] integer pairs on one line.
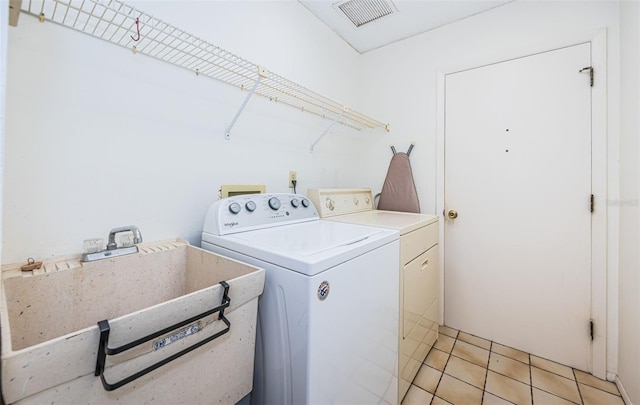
[[121, 24]]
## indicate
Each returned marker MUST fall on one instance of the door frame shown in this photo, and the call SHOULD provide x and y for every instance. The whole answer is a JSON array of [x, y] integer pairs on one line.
[[599, 173]]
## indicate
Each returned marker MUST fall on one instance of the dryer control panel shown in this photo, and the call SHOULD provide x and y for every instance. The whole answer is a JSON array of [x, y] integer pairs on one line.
[[334, 201], [255, 211]]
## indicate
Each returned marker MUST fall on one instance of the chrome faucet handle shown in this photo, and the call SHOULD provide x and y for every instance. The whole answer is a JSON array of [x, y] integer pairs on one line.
[[137, 235]]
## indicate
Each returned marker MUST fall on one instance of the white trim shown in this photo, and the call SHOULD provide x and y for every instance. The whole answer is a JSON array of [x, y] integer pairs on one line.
[[440, 91], [598, 40], [623, 392], [4, 34], [599, 176]]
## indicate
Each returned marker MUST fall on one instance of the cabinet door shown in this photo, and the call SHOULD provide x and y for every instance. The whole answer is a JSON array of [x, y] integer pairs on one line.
[[420, 289], [419, 314]]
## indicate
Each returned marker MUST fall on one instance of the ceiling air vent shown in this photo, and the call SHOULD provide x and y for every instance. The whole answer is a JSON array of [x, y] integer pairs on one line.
[[361, 12]]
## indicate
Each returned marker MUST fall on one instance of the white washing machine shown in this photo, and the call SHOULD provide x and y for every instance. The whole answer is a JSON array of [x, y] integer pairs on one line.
[[328, 317], [417, 269]]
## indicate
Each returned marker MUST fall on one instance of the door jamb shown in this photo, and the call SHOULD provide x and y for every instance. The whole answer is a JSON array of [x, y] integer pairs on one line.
[[599, 224]]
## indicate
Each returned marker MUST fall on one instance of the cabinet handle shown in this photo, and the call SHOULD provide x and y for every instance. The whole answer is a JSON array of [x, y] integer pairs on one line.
[[425, 264]]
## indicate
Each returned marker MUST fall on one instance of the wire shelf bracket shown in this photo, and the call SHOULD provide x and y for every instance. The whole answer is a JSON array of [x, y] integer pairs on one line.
[[326, 131], [262, 73], [118, 23]]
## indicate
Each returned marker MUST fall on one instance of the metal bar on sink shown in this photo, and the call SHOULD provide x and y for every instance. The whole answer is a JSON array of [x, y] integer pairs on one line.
[[104, 350]]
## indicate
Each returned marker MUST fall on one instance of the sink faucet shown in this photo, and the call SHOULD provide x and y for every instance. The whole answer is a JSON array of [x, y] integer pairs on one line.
[[113, 250], [137, 236]]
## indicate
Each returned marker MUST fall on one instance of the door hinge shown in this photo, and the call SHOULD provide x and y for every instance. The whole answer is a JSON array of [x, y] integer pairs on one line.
[[590, 69], [592, 202], [591, 329]]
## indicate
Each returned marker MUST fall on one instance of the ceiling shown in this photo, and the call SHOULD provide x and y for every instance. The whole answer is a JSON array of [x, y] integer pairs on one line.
[[403, 19]]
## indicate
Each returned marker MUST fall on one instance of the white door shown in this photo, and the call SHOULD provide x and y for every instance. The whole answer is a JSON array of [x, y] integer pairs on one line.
[[517, 150]]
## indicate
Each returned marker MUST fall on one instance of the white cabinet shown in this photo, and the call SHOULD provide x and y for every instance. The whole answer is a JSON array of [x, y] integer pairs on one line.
[[419, 287]]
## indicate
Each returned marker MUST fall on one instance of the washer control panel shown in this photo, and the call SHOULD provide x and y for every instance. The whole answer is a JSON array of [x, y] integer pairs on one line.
[[254, 211], [332, 202]]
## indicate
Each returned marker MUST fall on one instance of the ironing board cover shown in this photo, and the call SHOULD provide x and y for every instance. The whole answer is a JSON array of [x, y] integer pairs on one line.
[[399, 191]]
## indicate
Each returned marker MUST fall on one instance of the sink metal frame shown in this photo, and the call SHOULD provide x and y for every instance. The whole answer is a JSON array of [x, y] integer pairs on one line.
[[104, 350]]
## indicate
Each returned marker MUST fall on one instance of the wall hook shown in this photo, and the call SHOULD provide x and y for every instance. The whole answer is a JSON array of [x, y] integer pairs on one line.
[[411, 148], [393, 148], [138, 29]]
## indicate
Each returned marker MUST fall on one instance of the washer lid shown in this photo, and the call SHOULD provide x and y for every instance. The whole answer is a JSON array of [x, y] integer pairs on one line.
[[302, 241], [309, 247]]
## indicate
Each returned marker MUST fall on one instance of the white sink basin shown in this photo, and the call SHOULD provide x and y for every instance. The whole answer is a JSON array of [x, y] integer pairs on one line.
[[50, 335]]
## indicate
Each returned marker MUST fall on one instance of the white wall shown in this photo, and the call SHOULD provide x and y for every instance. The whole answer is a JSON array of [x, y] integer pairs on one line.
[[406, 73], [629, 362], [98, 137]]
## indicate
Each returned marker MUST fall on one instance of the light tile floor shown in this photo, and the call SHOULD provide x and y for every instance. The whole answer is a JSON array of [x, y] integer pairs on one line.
[[463, 369]]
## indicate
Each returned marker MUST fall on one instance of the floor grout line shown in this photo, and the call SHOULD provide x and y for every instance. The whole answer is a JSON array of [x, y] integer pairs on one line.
[[487, 369], [530, 377], [486, 375], [443, 368], [573, 370]]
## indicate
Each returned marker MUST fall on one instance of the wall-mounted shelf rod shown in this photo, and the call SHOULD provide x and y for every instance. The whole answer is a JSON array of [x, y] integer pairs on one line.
[[115, 21]]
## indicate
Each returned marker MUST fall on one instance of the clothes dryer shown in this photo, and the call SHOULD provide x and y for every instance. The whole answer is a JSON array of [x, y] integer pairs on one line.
[[418, 269]]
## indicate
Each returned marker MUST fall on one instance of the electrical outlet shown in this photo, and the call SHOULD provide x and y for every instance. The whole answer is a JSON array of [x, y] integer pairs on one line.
[[292, 176]]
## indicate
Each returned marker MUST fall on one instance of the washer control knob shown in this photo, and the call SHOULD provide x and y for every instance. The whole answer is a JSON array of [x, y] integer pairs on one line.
[[295, 203], [235, 208], [274, 203], [250, 206], [330, 204], [305, 202]]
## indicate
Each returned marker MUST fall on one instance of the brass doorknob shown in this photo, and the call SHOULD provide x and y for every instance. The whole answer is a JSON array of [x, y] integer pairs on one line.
[[453, 214]]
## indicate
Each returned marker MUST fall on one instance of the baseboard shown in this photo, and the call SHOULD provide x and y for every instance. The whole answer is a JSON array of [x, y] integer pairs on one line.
[[625, 396]]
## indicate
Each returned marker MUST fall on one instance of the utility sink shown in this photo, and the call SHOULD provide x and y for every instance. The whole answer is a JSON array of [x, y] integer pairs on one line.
[[177, 296]]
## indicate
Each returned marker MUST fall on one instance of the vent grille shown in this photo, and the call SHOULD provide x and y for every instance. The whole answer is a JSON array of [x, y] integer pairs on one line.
[[361, 12]]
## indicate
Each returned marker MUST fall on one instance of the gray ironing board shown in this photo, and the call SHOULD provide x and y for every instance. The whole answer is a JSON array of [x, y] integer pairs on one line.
[[399, 190]]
